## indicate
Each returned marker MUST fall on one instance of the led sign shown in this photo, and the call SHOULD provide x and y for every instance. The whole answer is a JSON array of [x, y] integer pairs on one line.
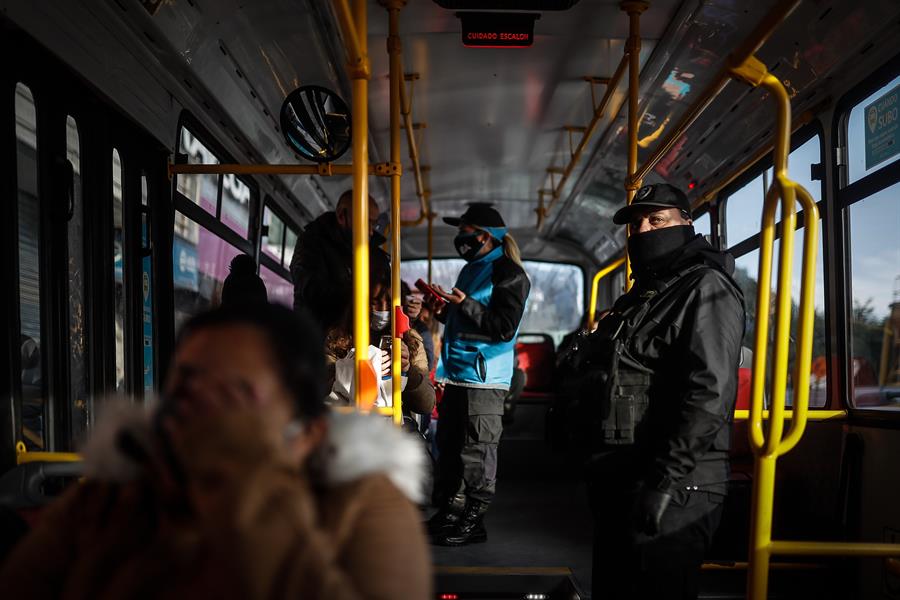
[[497, 30]]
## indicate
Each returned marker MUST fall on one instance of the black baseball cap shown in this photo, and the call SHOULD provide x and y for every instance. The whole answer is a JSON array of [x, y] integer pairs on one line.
[[659, 195], [479, 214]]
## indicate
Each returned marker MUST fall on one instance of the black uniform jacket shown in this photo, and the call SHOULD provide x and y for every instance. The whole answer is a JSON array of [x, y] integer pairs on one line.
[[691, 341], [321, 269]]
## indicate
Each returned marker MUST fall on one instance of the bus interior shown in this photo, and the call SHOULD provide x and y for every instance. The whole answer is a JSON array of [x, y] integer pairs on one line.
[[144, 151]]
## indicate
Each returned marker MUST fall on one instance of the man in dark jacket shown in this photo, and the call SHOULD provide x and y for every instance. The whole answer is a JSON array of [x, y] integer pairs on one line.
[[321, 267], [657, 404]]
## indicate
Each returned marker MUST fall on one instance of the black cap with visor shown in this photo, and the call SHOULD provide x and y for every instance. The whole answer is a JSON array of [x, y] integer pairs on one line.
[[478, 214], [659, 195]]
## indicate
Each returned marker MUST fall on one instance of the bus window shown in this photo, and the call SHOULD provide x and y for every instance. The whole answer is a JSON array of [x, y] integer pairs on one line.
[[875, 285], [236, 204], [743, 218], [702, 225], [34, 410], [871, 144], [77, 324], [279, 289], [202, 190], [556, 301], [273, 237], [745, 273], [200, 265], [743, 208], [118, 269], [290, 242], [146, 290]]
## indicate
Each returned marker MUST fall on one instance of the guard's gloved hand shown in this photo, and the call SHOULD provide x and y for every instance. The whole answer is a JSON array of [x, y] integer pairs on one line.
[[649, 508]]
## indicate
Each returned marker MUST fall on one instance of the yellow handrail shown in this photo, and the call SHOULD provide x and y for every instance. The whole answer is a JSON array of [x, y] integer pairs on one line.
[[813, 415], [595, 287], [780, 11], [768, 445], [633, 52], [24, 456], [586, 135], [422, 191], [354, 26], [395, 50]]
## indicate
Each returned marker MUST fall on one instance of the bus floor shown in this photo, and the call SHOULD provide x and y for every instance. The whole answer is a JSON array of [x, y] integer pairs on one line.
[[540, 534], [539, 524]]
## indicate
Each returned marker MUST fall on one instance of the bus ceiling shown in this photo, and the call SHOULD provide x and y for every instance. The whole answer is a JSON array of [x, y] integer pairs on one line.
[[489, 124]]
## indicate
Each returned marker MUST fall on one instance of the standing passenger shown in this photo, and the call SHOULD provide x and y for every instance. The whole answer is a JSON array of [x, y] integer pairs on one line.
[[322, 263], [661, 375], [482, 317]]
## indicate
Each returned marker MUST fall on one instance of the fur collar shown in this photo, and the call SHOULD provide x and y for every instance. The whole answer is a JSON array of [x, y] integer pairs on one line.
[[357, 445]]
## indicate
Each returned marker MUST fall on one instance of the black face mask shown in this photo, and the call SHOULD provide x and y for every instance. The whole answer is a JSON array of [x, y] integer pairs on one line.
[[651, 250], [468, 246]]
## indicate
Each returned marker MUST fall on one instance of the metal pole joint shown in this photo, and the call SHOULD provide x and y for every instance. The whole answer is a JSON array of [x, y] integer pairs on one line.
[[359, 68]]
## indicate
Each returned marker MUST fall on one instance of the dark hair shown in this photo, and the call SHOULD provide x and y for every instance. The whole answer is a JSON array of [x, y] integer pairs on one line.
[[243, 285], [296, 344]]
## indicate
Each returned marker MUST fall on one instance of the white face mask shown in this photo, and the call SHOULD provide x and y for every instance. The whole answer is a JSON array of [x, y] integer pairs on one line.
[[292, 431], [379, 319]]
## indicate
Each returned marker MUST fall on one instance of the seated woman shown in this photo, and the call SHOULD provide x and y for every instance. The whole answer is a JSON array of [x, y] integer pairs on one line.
[[239, 486], [418, 393]]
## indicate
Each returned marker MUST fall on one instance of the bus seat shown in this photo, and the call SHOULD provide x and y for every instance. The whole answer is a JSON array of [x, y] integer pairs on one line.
[[537, 358], [34, 484]]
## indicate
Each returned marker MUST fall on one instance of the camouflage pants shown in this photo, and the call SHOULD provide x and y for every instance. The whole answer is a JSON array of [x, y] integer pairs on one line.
[[468, 434]]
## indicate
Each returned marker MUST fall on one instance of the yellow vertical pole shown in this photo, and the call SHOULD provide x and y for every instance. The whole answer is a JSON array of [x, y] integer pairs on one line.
[[431, 217], [395, 49], [364, 377], [634, 8], [769, 445]]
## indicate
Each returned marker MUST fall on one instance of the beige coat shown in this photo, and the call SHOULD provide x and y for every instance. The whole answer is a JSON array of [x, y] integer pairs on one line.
[[248, 527]]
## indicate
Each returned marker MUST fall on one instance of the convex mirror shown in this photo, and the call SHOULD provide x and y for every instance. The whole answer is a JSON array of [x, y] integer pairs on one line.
[[316, 123]]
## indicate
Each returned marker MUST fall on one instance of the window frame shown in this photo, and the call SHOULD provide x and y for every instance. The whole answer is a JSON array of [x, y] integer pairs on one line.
[[752, 243], [196, 213], [845, 195], [270, 263]]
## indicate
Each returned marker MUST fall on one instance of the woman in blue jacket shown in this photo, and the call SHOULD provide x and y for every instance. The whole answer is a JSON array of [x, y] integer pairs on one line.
[[481, 317]]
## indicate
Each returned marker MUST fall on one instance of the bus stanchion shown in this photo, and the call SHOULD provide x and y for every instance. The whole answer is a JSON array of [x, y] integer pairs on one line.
[[768, 445]]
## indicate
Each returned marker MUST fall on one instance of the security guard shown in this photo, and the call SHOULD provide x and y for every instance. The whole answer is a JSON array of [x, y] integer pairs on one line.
[[482, 316], [657, 392]]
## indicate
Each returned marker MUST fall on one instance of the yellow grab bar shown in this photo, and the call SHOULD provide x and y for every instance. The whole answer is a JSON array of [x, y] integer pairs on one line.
[[395, 52], [354, 27], [595, 289], [24, 456], [813, 415], [769, 445]]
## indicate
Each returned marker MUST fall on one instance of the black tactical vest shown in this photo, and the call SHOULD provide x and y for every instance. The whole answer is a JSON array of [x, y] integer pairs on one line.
[[612, 387]]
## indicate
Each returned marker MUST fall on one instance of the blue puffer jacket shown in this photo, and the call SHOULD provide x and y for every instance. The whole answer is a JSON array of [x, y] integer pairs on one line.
[[480, 333]]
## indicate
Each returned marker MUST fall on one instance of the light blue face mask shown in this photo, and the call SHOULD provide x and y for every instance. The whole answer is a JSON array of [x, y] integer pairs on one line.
[[379, 319]]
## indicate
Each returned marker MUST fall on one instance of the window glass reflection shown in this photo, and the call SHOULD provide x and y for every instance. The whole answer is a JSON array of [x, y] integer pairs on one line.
[[118, 269], [81, 409], [743, 208], [34, 409], [875, 325], [202, 190], [279, 290], [746, 275], [199, 270]]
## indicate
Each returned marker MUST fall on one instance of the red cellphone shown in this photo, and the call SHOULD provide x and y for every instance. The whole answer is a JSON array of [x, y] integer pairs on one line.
[[429, 291]]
